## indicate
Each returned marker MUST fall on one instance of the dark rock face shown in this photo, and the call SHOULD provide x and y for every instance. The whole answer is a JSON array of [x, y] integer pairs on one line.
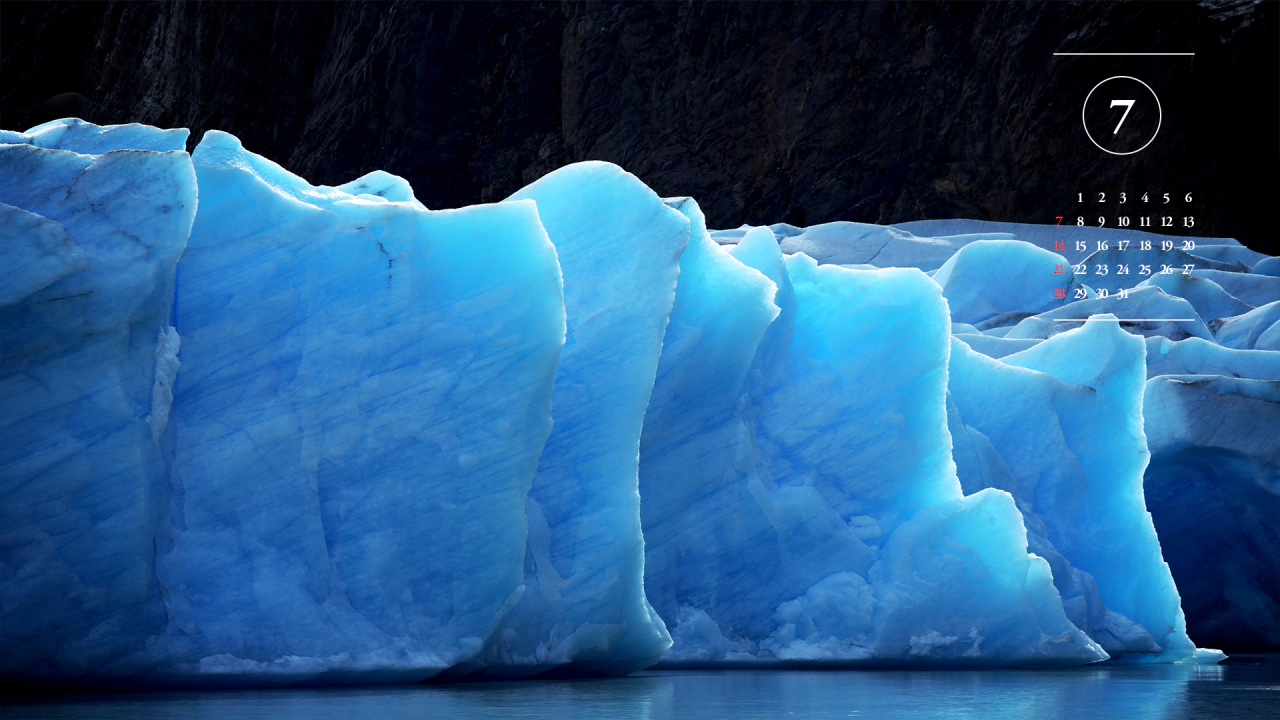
[[765, 112]]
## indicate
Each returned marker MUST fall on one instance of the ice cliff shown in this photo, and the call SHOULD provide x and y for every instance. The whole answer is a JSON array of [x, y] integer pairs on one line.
[[382, 376], [90, 246], [254, 431]]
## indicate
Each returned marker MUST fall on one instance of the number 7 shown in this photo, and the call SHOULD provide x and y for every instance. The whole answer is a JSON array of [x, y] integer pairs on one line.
[[1128, 105]]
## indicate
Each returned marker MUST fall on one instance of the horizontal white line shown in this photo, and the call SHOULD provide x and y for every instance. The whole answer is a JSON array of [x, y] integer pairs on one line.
[[1123, 319], [1121, 54]]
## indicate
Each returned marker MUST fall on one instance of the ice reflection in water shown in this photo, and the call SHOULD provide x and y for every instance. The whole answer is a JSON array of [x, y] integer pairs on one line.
[[1250, 687]]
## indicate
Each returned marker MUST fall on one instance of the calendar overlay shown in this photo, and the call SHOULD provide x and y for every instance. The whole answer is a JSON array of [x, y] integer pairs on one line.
[[1113, 267]]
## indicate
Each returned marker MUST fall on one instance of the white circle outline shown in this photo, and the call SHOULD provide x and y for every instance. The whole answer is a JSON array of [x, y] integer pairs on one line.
[[1159, 115]]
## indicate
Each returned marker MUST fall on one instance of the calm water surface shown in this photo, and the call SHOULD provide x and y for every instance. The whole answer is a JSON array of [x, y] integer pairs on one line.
[[1247, 687]]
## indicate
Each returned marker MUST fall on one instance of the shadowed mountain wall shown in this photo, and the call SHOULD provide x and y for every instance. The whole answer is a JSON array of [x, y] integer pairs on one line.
[[765, 112]]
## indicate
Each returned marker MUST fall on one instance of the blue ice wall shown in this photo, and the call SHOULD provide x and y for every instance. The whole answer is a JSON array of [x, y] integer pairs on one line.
[[1058, 426], [365, 395], [817, 522], [90, 242], [696, 452], [255, 431], [584, 608], [1214, 490]]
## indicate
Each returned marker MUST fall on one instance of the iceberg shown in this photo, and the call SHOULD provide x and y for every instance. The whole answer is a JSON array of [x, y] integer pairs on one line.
[[1256, 289], [995, 347], [1232, 254], [1267, 266], [357, 420], [584, 609], [382, 185], [90, 243], [693, 425], [694, 430], [1079, 241], [1146, 311], [822, 520], [963, 566], [86, 138], [39, 252], [847, 243], [255, 431], [1057, 426]]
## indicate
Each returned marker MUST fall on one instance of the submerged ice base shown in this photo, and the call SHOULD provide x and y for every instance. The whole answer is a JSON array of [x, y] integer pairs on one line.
[[261, 432]]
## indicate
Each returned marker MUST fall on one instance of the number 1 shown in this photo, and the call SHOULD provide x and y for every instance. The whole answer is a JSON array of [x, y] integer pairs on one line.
[[1128, 105]]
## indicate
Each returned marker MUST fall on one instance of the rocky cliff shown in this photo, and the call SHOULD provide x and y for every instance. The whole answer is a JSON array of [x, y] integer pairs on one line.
[[765, 112]]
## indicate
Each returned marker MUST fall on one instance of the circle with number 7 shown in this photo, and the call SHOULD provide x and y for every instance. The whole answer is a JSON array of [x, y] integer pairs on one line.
[[1121, 115]]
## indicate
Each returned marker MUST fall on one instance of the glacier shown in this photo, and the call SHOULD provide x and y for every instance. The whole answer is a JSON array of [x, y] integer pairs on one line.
[[1078, 455], [817, 521], [95, 240], [261, 432], [1207, 298], [1257, 329], [583, 609], [363, 352], [1155, 314], [1214, 489]]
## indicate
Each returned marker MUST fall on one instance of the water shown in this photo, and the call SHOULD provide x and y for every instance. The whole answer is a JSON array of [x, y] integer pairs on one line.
[[1247, 687]]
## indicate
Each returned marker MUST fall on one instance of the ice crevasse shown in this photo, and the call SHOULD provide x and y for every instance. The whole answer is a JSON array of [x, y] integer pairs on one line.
[[255, 431]]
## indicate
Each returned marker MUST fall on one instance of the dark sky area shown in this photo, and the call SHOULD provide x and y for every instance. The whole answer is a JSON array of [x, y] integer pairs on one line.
[[764, 112]]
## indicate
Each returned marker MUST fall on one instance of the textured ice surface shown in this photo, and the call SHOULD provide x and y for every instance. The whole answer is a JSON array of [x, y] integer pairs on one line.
[[349, 439], [90, 243], [37, 252], [1252, 288], [988, 278], [83, 137], [364, 394], [584, 607], [1058, 426], [1267, 266], [696, 453], [1208, 298], [1234, 254], [1194, 356], [823, 520], [1214, 490], [1146, 311], [1079, 242], [996, 347], [847, 243], [1257, 329], [382, 185]]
